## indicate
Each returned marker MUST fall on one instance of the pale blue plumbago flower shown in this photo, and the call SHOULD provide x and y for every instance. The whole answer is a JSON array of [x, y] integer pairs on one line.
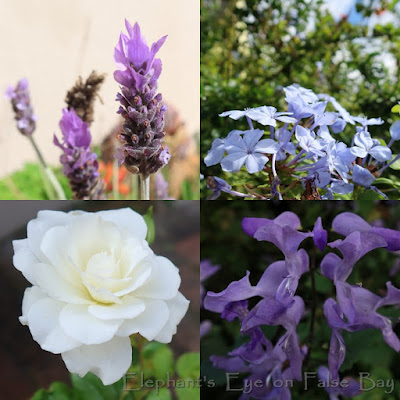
[[322, 117], [394, 133], [299, 108], [338, 126], [341, 187], [308, 146], [236, 114], [218, 185], [283, 137], [364, 145], [249, 151], [338, 158], [325, 135], [361, 176], [295, 90], [367, 122], [338, 107], [269, 115], [308, 142], [217, 151]]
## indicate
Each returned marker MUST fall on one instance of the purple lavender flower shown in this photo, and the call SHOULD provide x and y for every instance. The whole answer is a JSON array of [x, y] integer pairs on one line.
[[142, 136], [79, 163], [161, 187], [21, 103]]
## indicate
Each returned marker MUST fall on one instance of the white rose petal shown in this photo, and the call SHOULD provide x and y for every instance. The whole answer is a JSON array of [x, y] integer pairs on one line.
[[178, 307], [78, 323], [109, 361], [149, 323], [164, 281], [31, 296], [130, 308], [43, 323], [24, 259], [96, 282], [128, 219]]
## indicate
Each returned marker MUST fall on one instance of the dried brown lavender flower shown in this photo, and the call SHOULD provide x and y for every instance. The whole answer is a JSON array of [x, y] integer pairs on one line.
[[81, 97]]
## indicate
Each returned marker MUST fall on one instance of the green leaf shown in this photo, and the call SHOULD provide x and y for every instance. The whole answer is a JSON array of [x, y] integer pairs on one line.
[[151, 229], [163, 363], [370, 195], [395, 165], [187, 191], [396, 108], [41, 394], [188, 365], [90, 387], [188, 393], [60, 391], [161, 394]]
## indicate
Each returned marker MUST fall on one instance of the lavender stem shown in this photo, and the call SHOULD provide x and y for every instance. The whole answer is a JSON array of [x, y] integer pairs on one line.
[[49, 173], [144, 183]]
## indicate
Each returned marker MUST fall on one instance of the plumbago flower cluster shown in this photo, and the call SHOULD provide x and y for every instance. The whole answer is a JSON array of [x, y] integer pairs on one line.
[[302, 147], [355, 308]]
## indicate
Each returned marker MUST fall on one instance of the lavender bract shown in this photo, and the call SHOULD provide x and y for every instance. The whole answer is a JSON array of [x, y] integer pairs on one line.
[[79, 162], [21, 103], [140, 104]]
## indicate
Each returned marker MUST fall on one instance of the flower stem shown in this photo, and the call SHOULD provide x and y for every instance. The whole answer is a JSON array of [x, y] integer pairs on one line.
[[313, 303], [115, 183], [302, 151], [50, 175], [144, 183], [389, 163]]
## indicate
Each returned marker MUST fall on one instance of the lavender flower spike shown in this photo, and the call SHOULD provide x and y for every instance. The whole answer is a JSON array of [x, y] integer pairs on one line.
[[21, 103], [80, 165], [144, 152]]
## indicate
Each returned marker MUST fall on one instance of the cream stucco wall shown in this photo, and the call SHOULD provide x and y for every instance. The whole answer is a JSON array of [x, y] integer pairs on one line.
[[51, 42]]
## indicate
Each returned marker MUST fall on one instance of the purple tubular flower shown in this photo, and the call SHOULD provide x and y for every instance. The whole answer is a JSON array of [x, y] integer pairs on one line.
[[346, 223], [360, 307], [251, 225], [205, 327], [348, 387], [207, 269], [79, 163], [353, 248], [142, 136], [320, 235], [21, 103]]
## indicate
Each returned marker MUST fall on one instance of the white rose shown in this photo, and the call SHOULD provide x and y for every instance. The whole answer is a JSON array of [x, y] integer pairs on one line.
[[95, 282]]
